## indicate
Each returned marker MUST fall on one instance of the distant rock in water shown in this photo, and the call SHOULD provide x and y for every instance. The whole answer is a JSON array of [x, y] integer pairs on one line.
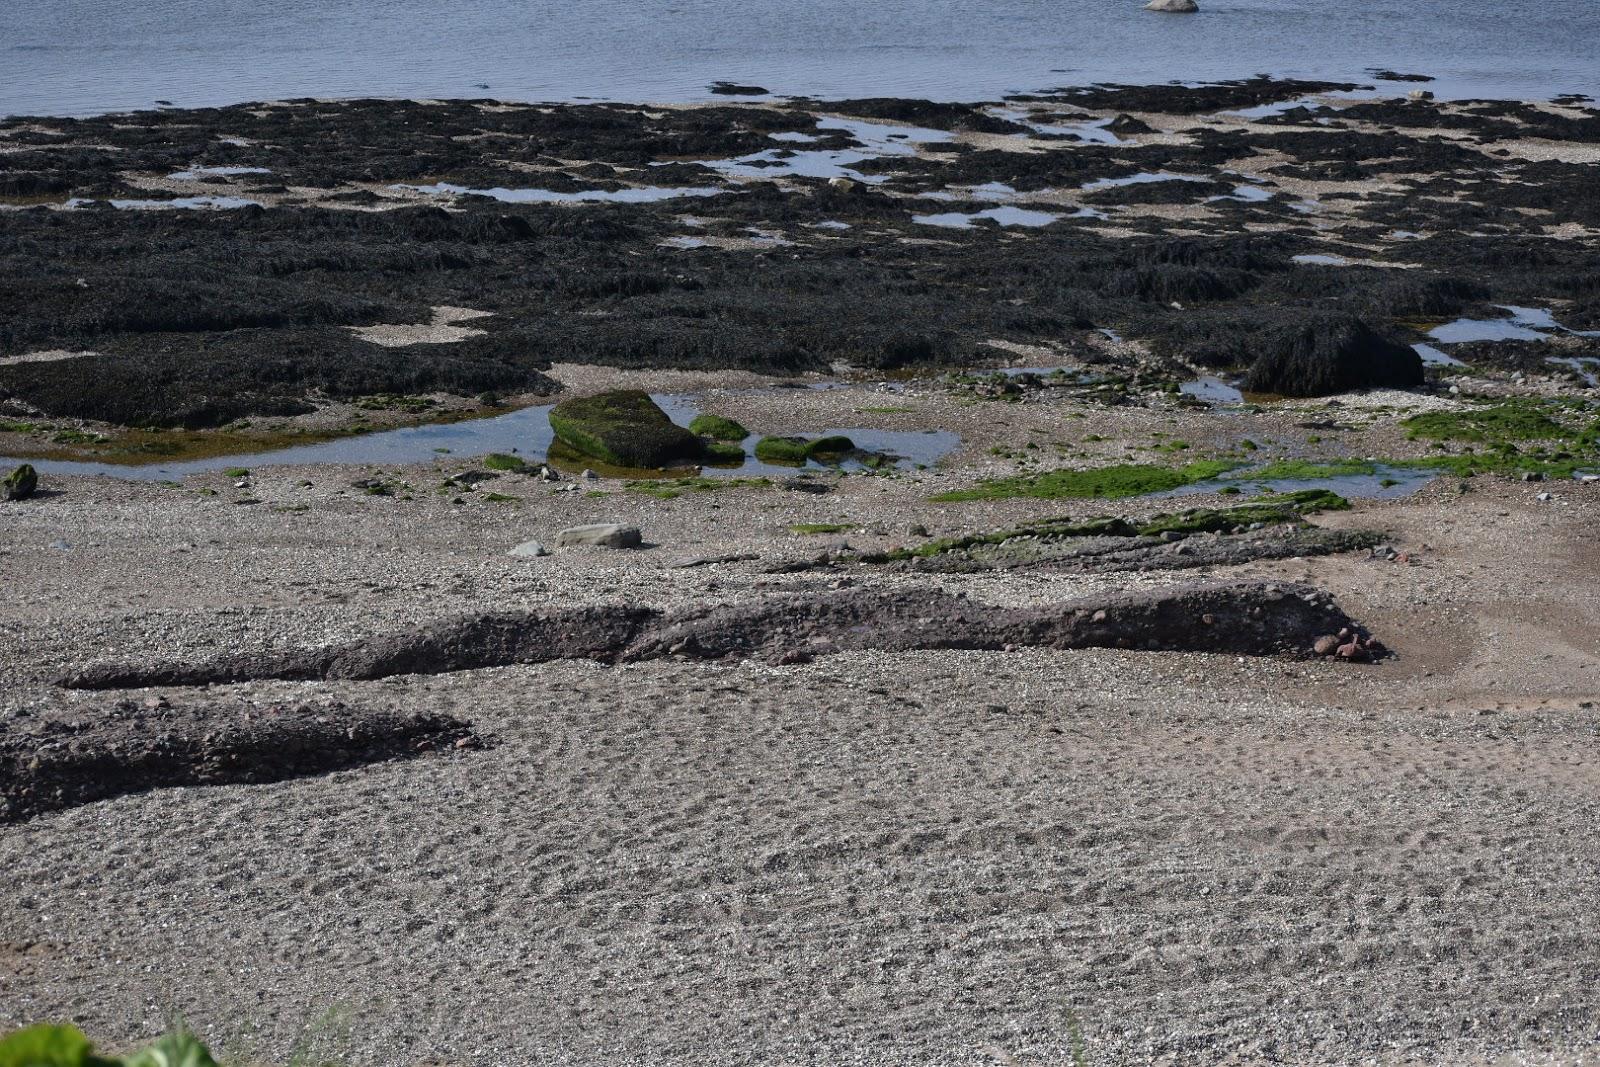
[[1177, 7], [735, 89], [1331, 353]]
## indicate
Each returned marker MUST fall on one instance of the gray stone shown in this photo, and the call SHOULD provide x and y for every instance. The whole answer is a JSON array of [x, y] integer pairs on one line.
[[530, 549], [1176, 7], [604, 534]]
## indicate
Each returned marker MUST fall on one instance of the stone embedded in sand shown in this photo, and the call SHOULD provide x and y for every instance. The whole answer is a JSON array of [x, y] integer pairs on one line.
[[21, 483], [1176, 7], [529, 550], [603, 534], [624, 428]]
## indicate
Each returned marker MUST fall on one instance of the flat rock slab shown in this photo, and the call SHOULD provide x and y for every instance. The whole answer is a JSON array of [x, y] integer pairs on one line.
[[1244, 618], [59, 762], [603, 534]]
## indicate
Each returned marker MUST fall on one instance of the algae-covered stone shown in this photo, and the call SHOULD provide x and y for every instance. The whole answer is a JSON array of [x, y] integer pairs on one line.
[[794, 451], [790, 451], [717, 428], [21, 483], [830, 448], [624, 428]]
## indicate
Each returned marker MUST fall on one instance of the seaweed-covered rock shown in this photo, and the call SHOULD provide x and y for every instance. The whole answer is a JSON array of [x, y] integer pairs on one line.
[[1332, 353], [624, 428], [794, 451], [21, 483], [718, 428]]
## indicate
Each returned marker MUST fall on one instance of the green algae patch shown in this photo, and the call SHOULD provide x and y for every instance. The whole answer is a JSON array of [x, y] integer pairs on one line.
[[1516, 420], [1272, 510], [1099, 483], [1300, 470], [624, 428], [672, 488], [717, 428], [500, 461]]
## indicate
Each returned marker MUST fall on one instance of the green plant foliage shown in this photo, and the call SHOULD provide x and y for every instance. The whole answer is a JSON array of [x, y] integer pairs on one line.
[[717, 428], [177, 1049], [1104, 483], [49, 1045], [236, 472]]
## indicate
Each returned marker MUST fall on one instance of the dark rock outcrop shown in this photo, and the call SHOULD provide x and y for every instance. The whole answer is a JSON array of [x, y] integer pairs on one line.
[[58, 762], [1244, 618]]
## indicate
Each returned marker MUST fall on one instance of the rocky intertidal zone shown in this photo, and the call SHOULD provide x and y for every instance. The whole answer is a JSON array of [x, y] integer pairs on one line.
[[53, 760], [1243, 618], [196, 268]]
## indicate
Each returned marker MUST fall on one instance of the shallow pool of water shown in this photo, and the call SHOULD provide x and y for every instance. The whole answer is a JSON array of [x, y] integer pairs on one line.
[[647, 195], [1006, 215], [1212, 390], [525, 432], [1142, 178], [1351, 486]]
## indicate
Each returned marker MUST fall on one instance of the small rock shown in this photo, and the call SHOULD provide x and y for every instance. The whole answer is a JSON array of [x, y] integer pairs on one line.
[[1533, 476], [916, 529], [1326, 645], [604, 534], [589, 475], [1419, 95], [1545, 497], [529, 549], [548, 475], [1175, 7]]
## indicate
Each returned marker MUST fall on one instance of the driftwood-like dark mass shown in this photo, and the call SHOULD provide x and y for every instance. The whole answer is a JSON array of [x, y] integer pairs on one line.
[[1248, 618], [54, 761]]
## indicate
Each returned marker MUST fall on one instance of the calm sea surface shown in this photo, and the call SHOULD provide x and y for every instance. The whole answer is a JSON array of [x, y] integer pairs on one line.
[[86, 56]]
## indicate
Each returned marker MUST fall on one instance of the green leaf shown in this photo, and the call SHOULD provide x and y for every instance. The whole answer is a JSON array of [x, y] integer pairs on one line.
[[48, 1045], [179, 1049]]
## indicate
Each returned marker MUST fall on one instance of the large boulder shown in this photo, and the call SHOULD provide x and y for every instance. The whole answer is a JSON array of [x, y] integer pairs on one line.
[[20, 483], [624, 428], [1176, 7], [1324, 354]]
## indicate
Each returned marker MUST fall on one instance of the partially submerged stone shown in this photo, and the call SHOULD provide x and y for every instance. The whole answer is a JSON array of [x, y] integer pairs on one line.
[[625, 428], [604, 534], [1175, 7], [21, 483]]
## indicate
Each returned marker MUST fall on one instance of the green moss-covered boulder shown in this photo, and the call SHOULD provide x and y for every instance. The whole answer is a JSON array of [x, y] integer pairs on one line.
[[789, 451], [20, 483], [624, 428], [723, 452], [830, 449], [500, 461], [717, 428]]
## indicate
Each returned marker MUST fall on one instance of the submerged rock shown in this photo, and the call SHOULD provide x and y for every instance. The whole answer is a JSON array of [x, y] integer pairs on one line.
[[21, 483], [1176, 7], [624, 428]]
